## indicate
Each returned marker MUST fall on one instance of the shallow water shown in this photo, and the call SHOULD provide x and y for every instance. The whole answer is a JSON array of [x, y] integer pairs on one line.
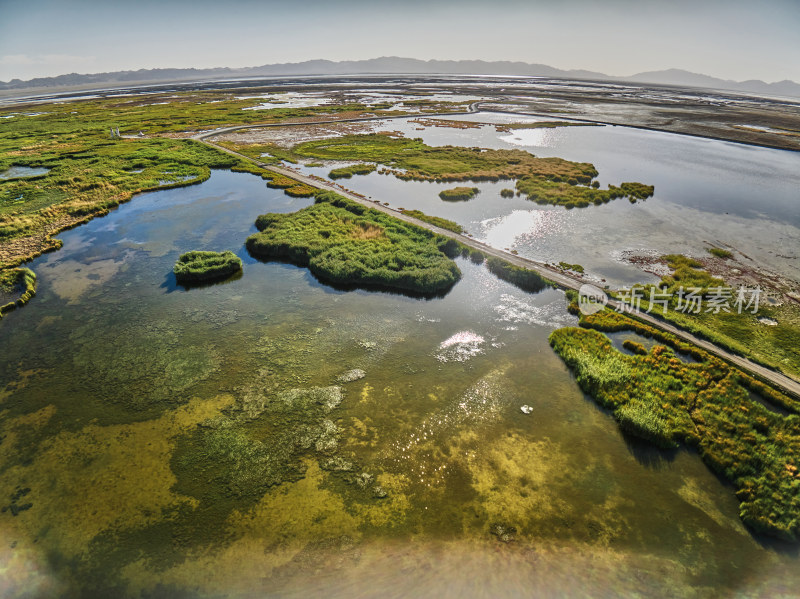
[[707, 192], [19, 172], [188, 443]]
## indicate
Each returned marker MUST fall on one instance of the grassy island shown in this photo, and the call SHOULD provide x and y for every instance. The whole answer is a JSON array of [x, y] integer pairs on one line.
[[348, 171], [747, 432], [199, 266], [543, 180], [19, 283], [457, 194], [345, 243]]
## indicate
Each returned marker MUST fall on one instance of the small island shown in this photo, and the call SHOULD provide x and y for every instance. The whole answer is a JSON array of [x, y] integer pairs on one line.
[[457, 194], [348, 171], [344, 243], [20, 285], [200, 267]]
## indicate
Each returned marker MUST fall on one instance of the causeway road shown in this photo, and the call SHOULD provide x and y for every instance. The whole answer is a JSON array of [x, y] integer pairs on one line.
[[557, 276]]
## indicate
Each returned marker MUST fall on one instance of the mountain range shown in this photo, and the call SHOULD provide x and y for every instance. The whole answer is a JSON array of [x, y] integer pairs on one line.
[[396, 65]]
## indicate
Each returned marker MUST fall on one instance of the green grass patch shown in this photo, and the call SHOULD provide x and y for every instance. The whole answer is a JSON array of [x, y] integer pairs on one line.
[[199, 266], [507, 193], [573, 267], [707, 405], [544, 180], [438, 221], [346, 172], [19, 285], [345, 243], [720, 253], [457, 194]]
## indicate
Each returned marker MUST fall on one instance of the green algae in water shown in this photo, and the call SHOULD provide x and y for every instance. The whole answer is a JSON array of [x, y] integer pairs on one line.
[[175, 499], [141, 366]]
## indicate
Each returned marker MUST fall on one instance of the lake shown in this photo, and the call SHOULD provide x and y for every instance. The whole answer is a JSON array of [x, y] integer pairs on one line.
[[271, 435], [707, 192]]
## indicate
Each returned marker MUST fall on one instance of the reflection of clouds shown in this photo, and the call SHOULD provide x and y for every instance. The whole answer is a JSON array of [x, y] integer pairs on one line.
[[70, 279], [460, 347], [503, 231], [540, 138], [286, 100]]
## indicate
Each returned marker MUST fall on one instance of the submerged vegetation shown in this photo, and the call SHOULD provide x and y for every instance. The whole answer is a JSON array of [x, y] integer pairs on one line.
[[544, 180], [199, 266], [343, 242], [236, 463], [708, 405], [458, 194], [20, 285]]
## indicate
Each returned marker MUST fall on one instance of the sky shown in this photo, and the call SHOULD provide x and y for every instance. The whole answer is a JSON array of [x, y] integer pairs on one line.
[[731, 39]]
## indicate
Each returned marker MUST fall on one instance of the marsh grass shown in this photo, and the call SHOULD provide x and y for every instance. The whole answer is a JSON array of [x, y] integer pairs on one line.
[[720, 253], [457, 194], [742, 333], [573, 267], [19, 282], [543, 180], [347, 172], [342, 242], [200, 266], [438, 221], [706, 405]]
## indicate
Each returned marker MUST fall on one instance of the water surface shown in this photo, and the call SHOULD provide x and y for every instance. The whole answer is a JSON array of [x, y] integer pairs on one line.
[[188, 443], [707, 192]]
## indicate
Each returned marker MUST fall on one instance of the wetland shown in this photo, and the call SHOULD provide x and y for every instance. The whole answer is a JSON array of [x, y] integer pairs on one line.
[[365, 405]]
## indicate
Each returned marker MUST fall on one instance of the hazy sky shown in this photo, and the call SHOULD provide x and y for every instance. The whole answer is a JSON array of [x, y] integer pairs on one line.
[[733, 39]]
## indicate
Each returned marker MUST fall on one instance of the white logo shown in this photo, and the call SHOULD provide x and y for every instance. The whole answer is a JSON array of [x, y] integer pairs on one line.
[[591, 299]]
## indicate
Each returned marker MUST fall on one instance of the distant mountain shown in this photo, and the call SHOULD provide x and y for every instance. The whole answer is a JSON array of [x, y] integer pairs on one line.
[[396, 65], [688, 79]]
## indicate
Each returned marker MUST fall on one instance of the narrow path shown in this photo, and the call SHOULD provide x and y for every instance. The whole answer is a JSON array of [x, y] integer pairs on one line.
[[560, 278]]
